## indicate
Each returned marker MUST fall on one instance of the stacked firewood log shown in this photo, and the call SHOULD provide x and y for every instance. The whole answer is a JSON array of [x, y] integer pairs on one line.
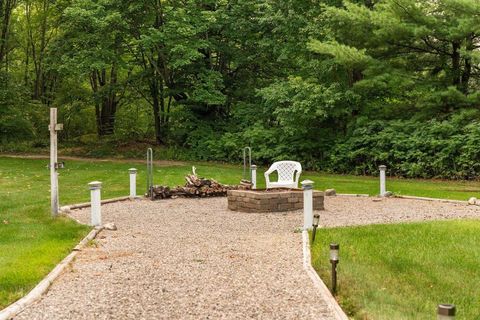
[[197, 187]]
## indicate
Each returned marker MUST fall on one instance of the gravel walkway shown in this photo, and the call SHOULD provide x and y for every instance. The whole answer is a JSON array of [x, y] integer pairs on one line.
[[186, 259], [349, 211], [193, 259]]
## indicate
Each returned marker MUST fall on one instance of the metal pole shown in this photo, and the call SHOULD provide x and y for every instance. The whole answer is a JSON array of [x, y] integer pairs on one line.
[[334, 277], [95, 201], [307, 186], [53, 163], [149, 172], [245, 160], [133, 182]]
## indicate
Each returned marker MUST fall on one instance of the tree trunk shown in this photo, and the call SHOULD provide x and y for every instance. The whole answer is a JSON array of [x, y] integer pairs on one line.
[[107, 100], [456, 64], [467, 70]]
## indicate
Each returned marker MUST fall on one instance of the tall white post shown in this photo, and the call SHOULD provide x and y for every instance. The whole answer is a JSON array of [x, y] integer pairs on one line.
[[307, 186], [96, 208], [133, 182], [254, 176], [53, 128], [383, 186]]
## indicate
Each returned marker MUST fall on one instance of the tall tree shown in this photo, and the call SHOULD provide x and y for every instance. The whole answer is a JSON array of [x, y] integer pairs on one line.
[[93, 47]]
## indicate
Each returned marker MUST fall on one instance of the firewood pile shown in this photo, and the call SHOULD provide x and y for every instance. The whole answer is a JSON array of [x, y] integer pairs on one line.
[[197, 187]]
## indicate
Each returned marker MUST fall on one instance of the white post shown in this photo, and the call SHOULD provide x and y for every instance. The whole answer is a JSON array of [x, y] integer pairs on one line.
[[133, 182], [53, 128], [383, 187], [307, 186], [96, 209], [254, 176]]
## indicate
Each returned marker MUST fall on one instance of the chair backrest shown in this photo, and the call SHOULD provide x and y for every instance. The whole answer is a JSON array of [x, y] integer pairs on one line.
[[286, 170]]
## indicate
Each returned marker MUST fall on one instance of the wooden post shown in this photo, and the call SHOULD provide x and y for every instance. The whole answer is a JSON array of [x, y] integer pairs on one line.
[[307, 186], [254, 176], [54, 127], [95, 203], [383, 188], [133, 182]]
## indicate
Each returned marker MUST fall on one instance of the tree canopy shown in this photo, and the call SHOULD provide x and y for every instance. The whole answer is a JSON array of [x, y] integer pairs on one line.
[[339, 85]]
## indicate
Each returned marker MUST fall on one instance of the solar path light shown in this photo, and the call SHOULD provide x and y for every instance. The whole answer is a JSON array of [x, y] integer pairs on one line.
[[316, 219], [446, 312], [334, 258]]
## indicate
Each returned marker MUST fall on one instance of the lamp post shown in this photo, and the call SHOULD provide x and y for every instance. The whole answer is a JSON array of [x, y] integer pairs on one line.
[[383, 188], [133, 182], [307, 186], [316, 219], [334, 258], [96, 203], [446, 312], [253, 169]]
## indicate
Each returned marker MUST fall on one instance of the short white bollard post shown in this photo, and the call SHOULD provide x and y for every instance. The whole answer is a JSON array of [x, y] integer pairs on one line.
[[133, 182], [96, 209], [383, 187], [254, 176], [307, 186]]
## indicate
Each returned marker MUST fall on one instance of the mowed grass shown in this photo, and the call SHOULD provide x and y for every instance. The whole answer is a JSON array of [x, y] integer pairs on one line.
[[31, 243], [404, 271]]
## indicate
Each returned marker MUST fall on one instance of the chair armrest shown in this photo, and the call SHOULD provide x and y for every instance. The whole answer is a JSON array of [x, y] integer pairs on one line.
[[269, 171], [297, 176]]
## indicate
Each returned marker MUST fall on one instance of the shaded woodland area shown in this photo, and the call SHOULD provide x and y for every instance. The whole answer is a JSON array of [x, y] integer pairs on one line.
[[339, 85]]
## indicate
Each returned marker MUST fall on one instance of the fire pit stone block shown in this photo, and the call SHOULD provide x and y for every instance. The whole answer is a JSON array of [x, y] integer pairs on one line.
[[273, 200]]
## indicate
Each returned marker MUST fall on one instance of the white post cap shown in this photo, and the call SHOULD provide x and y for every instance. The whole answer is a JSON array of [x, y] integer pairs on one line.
[[132, 170], [253, 166], [95, 185], [382, 167], [307, 184]]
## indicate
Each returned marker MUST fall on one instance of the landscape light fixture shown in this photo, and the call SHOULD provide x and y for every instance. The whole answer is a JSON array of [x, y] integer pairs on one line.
[[446, 312], [316, 219], [334, 258]]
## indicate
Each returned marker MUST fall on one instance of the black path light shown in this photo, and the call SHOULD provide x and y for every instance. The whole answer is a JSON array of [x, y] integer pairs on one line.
[[334, 258], [316, 219], [446, 312]]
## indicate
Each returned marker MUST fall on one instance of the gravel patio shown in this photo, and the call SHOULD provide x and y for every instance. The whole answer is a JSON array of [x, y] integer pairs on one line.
[[194, 259]]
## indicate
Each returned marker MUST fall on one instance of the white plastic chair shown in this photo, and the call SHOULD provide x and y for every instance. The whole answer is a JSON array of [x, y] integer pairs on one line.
[[288, 174]]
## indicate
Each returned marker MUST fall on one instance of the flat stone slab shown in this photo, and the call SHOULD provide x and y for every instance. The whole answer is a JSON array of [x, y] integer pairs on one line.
[[186, 259], [272, 200]]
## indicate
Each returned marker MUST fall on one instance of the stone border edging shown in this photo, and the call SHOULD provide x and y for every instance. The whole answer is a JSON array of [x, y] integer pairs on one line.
[[432, 199], [88, 204], [352, 195], [41, 288], [318, 283]]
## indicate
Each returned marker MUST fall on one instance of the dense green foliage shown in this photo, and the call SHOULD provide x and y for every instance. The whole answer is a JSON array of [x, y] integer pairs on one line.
[[338, 85], [403, 271]]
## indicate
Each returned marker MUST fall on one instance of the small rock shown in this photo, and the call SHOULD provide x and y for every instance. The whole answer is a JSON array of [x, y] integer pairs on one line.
[[377, 199], [472, 201], [388, 194], [330, 192], [110, 226]]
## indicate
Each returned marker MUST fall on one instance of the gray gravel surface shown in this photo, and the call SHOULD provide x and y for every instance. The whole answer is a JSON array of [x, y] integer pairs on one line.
[[349, 211], [186, 259], [194, 259]]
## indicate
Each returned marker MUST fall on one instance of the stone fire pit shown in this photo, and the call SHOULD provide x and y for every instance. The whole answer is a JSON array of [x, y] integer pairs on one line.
[[272, 200]]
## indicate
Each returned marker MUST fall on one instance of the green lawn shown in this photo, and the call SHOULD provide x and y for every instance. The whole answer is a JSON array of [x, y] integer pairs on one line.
[[404, 271], [31, 242]]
